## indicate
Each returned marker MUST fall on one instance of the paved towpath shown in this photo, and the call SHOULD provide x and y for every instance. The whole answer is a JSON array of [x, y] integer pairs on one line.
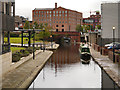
[[112, 69], [23, 75]]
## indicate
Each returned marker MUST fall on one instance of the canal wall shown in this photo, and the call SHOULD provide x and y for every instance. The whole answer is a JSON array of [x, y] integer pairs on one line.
[[112, 69]]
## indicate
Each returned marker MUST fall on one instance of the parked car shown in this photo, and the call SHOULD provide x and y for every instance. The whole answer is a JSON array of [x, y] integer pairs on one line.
[[117, 46], [111, 44]]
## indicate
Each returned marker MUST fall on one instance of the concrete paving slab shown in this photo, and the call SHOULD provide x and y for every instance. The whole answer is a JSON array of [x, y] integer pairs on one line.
[[23, 75], [106, 64]]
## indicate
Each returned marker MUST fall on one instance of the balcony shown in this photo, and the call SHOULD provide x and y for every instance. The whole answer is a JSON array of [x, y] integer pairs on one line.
[[7, 22]]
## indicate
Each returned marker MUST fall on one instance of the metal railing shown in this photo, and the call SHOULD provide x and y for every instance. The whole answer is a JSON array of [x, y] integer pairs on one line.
[[5, 48]]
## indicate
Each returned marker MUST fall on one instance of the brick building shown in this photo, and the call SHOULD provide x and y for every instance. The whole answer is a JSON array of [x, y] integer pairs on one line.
[[59, 18], [93, 20]]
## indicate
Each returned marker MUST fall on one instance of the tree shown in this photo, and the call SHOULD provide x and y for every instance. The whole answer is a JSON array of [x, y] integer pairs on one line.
[[99, 26], [36, 25], [41, 26], [26, 25], [79, 28]]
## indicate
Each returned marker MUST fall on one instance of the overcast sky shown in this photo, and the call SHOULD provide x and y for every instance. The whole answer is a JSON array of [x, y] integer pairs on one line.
[[25, 7]]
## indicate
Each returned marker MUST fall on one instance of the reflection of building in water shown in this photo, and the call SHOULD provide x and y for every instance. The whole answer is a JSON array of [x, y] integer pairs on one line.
[[66, 55]]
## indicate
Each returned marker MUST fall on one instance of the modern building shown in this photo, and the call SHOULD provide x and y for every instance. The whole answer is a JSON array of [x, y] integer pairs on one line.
[[7, 18], [59, 18], [110, 17], [93, 20]]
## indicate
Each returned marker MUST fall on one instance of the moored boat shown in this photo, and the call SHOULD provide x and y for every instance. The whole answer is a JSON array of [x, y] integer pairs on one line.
[[85, 53]]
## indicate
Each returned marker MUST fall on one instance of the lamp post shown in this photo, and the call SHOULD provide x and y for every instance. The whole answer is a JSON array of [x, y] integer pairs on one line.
[[51, 40], [43, 39], [33, 42], [113, 44]]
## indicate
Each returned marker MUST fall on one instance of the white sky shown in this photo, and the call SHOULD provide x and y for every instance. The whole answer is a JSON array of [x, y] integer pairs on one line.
[[25, 7]]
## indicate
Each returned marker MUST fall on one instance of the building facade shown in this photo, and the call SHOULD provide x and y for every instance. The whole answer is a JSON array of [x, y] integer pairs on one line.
[[7, 18], [93, 20], [110, 17], [59, 18]]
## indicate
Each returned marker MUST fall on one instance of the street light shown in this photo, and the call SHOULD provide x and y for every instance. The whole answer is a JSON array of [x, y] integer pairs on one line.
[[113, 44], [33, 42], [43, 39], [51, 40]]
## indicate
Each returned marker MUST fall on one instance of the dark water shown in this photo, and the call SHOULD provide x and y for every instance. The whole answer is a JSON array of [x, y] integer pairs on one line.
[[65, 70]]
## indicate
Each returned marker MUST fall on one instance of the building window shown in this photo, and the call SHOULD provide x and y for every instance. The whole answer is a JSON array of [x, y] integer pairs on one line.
[[39, 19], [53, 11], [59, 11], [56, 25], [65, 11], [47, 11], [39, 11], [50, 15], [36, 11], [42, 19], [62, 30], [34, 15], [44, 11], [57, 21], [63, 22], [65, 14], [50, 19], [59, 18], [56, 14], [42, 15], [59, 14], [50, 11], [56, 30], [39, 15], [60, 22], [62, 25], [62, 11], [56, 11], [47, 15], [54, 21]]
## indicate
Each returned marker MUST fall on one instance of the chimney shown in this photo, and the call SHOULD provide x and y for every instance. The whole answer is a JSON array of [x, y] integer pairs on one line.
[[55, 5]]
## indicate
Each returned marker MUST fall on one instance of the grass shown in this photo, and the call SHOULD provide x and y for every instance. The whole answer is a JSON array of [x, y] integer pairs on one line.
[[16, 49], [17, 40]]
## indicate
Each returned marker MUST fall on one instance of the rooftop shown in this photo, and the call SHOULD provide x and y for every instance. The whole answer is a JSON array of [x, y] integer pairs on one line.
[[43, 8]]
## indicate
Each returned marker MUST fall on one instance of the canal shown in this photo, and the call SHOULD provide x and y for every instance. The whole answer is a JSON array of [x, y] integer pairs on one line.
[[65, 70]]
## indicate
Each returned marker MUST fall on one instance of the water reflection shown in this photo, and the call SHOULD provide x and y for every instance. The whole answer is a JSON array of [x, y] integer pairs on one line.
[[65, 70]]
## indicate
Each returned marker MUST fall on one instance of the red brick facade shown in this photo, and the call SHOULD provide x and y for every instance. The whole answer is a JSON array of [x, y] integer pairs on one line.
[[60, 19], [96, 20]]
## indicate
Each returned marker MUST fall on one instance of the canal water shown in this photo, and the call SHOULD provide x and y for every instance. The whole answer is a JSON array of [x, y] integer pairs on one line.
[[65, 70]]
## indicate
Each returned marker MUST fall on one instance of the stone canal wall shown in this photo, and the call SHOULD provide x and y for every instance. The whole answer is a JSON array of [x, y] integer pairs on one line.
[[105, 61]]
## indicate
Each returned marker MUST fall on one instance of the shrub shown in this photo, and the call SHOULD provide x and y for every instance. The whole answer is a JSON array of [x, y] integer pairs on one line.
[[29, 49], [16, 57], [24, 53]]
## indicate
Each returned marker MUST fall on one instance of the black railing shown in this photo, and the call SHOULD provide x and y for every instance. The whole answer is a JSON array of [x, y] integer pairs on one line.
[[5, 48]]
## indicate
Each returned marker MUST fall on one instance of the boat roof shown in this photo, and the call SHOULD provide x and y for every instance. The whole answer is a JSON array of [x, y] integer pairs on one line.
[[85, 46]]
